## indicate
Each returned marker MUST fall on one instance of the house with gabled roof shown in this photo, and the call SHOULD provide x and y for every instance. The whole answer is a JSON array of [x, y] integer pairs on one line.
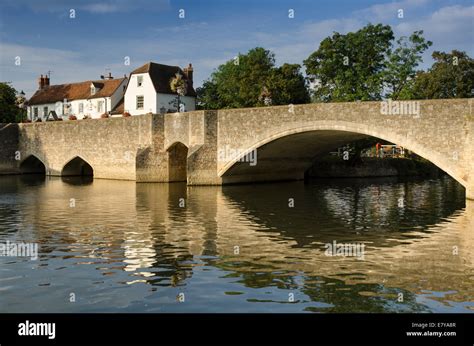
[[84, 99], [149, 90]]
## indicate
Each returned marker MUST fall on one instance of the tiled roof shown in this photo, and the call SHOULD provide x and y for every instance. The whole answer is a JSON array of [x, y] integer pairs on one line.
[[161, 75], [74, 91]]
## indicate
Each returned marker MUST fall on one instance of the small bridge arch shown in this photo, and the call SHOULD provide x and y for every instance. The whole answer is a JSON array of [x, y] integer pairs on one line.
[[77, 166], [177, 162], [32, 165]]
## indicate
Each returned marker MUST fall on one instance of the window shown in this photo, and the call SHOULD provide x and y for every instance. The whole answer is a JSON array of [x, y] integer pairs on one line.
[[100, 106], [139, 81], [81, 107], [35, 112], [140, 101], [92, 90], [45, 111]]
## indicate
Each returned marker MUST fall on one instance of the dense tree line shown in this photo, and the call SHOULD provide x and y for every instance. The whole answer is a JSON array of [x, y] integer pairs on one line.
[[364, 65]]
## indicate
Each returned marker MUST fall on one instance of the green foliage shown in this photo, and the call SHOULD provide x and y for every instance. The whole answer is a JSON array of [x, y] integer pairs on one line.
[[241, 82], [451, 76], [364, 65], [351, 67], [9, 110], [207, 97], [402, 63], [287, 85]]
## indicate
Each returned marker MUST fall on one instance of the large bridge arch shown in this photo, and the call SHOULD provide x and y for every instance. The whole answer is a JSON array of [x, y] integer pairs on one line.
[[334, 134], [442, 132]]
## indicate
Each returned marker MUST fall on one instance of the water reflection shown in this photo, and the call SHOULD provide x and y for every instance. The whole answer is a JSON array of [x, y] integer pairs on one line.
[[133, 247]]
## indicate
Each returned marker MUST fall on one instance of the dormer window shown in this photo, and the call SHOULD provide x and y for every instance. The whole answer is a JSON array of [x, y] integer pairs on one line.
[[96, 87]]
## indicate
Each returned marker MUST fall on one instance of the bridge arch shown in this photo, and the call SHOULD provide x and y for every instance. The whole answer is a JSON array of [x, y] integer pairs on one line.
[[77, 166], [32, 165], [177, 162], [290, 152]]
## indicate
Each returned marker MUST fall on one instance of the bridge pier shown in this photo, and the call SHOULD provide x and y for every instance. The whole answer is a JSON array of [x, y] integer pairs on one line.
[[470, 192], [203, 154]]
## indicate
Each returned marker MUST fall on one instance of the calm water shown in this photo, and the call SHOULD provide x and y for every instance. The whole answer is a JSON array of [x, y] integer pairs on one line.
[[127, 247]]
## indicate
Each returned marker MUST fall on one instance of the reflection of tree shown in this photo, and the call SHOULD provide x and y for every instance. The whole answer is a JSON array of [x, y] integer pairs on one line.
[[393, 205], [362, 297]]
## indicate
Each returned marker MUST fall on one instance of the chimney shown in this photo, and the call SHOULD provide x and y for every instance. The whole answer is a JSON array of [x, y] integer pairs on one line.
[[188, 71], [110, 76], [41, 82], [46, 81]]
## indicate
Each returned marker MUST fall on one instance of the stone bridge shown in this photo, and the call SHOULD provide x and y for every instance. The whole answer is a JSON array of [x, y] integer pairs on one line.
[[239, 145]]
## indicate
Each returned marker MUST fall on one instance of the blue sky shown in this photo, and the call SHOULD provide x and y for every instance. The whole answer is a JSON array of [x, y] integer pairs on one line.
[[104, 32]]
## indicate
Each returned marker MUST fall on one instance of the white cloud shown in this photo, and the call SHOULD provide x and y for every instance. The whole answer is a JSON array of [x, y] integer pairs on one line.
[[389, 11], [449, 28], [65, 66], [446, 24], [92, 6], [101, 8]]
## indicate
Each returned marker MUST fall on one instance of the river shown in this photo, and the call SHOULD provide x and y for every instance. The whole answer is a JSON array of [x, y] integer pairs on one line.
[[119, 246]]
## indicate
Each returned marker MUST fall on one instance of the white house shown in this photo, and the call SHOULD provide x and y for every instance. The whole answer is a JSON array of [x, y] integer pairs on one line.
[[89, 98], [149, 90]]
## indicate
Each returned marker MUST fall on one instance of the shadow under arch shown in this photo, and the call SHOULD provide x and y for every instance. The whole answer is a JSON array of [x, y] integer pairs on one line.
[[177, 162], [32, 165], [286, 155], [77, 167]]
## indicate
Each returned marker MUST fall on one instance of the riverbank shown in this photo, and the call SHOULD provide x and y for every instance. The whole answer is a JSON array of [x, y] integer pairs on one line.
[[335, 167]]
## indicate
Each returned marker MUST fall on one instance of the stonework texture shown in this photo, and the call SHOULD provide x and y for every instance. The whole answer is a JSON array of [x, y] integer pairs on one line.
[[284, 140]]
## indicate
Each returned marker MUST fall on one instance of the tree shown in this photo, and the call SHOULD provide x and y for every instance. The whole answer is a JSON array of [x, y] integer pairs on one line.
[[178, 85], [287, 85], [351, 67], [10, 100], [402, 63], [451, 76], [207, 97], [251, 80]]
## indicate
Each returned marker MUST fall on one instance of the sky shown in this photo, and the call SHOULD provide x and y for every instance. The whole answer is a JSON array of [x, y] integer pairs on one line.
[[103, 36]]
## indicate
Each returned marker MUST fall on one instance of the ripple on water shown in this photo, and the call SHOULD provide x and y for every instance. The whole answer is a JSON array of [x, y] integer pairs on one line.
[[128, 247]]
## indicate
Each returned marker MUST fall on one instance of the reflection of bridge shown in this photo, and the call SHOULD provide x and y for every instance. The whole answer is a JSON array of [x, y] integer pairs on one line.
[[199, 146], [148, 231]]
